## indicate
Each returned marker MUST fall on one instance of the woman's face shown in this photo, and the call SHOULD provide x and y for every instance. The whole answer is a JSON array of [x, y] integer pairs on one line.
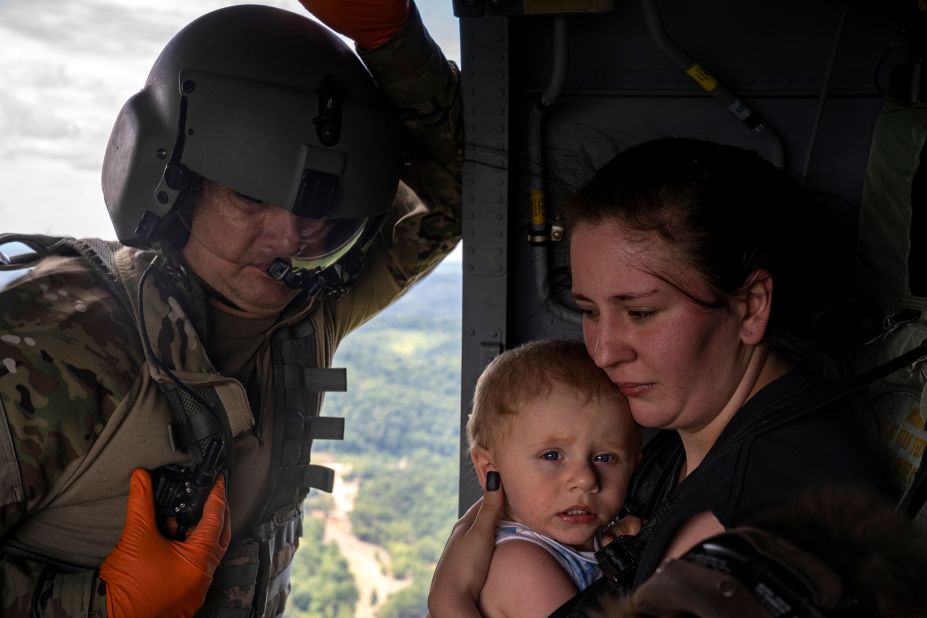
[[677, 361]]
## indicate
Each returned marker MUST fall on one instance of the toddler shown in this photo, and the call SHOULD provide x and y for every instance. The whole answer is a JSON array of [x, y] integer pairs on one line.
[[561, 436]]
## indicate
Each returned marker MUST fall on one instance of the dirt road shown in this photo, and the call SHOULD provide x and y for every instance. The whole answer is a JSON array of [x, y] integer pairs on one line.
[[366, 561]]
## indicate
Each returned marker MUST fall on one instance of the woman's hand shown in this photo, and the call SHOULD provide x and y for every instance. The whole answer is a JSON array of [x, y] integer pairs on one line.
[[629, 525], [462, 569]]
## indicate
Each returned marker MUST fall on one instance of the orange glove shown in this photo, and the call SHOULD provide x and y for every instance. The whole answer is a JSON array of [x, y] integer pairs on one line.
[[149, 575], [371, 23]]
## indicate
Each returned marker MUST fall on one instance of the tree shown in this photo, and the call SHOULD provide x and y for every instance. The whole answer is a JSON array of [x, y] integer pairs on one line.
[[321, 584]]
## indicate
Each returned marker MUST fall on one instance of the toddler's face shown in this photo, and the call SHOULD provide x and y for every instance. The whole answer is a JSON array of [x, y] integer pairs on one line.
[[565, 465]]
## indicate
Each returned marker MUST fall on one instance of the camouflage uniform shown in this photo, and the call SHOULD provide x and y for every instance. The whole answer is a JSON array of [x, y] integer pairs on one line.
[[82, 404]]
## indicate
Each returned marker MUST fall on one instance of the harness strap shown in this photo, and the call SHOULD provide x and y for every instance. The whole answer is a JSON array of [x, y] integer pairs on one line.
[[99, 254]]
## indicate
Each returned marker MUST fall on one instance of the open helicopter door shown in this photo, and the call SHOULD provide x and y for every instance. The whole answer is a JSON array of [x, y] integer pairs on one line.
[[552, 88]]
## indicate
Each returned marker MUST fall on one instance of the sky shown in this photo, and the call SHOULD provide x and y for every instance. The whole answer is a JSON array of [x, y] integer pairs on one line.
[[66, 68]]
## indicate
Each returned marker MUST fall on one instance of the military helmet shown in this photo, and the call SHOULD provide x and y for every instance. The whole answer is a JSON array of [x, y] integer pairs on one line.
[[266, 102]]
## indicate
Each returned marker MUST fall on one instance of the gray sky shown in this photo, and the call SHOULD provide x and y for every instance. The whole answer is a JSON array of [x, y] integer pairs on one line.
[[66, 68]]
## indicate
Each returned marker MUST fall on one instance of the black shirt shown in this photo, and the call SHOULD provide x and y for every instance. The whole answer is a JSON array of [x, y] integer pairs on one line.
[[755, 464]]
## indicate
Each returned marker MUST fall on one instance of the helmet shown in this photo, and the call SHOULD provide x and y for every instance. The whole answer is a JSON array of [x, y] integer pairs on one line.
[[269, 104]]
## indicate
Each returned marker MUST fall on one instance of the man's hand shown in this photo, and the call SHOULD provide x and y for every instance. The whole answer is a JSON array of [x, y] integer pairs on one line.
[[371, 23], [149, 575]]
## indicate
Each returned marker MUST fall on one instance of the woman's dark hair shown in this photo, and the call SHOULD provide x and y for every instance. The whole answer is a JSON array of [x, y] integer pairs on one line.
[[730, 212]]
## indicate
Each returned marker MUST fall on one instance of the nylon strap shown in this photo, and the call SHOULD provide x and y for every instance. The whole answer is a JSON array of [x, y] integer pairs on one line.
[[298, 384]]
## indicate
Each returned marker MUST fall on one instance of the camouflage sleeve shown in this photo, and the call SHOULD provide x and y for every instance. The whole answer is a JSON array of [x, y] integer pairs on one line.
[[425, 89], [64, 367], [424, 224], [33, 589]]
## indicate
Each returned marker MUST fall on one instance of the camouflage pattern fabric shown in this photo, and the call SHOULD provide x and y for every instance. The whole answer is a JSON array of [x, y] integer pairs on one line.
[[75, 386]]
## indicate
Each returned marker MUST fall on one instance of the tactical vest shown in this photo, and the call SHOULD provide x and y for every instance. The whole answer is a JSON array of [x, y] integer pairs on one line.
[[253, 578]]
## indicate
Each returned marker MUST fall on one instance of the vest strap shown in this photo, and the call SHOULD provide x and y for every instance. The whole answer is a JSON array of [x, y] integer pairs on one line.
[[316, 379], [326, 427], [306, 476]]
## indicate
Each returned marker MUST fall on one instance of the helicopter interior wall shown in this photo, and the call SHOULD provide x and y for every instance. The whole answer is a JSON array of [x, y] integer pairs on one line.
[[581, 134], [754, 49], [620, 89]]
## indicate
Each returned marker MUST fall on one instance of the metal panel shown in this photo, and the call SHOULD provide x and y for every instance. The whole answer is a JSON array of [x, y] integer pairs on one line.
[[485, 84]]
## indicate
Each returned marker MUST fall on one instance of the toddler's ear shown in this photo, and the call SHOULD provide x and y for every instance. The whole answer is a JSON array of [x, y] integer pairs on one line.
[[482, 462]]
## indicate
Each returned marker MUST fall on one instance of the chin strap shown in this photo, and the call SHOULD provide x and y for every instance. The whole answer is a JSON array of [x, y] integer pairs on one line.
[[332, 281], [318, 283]]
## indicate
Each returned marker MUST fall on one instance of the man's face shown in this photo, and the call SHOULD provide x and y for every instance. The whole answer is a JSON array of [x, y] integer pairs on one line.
[[233, 240]]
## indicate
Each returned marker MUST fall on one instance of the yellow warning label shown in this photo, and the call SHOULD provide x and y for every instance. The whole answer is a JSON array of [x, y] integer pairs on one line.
[[537, 208], [904, 438], [700, 74]]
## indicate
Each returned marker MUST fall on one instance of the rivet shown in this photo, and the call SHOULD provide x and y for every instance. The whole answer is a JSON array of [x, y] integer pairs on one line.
[[188, 86], [727, 587], [161, 153], [162, 197]]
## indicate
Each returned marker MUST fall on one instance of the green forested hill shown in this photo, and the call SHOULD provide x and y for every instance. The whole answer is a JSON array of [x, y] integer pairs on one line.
[[401, 435], [404, 375]]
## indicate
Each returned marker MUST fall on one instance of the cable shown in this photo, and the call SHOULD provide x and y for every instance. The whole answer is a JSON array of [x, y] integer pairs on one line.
[[822, 99]]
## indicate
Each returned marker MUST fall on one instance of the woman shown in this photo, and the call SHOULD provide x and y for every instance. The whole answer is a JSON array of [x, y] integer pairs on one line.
[[708, 287]]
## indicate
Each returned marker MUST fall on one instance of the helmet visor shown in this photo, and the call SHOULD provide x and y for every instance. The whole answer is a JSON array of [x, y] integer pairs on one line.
[[324, 241]]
